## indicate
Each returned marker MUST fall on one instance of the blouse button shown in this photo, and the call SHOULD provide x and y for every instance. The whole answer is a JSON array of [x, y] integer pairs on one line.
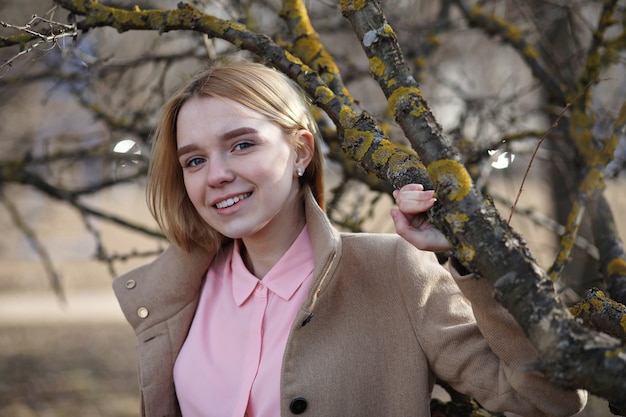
[[130, 284], [298, 405], [142, 312]]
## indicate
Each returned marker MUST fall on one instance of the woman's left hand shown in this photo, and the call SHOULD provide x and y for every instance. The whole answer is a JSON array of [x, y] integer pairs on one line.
[[411, 220]]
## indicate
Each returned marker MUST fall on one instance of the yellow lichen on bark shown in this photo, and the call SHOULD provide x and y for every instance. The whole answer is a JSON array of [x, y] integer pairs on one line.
[[621, 117], [530, 52], [579, 308], [359, 4], [593, 180], [417, 112], [457, 221], [466, 253], [596, 304], [401, 94], [295, 10], [510, 31], [475, 11], [581, 125], [356, 4], [324, 95], [617, 267], [454, 175], [234, 26], [388, 30], [382, 155], [433, 39], [121, 17], [308, 45], [420, 62], [80, 6], [360, 140], [347, 117], [610, 354], [398, 159], [567, 242], [377, 66]]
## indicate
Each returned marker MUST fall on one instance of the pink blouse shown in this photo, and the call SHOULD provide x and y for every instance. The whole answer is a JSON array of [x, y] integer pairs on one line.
[[231, 361]]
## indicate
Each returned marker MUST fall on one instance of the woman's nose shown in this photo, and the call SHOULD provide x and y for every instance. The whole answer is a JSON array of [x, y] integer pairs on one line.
[[219, 172]]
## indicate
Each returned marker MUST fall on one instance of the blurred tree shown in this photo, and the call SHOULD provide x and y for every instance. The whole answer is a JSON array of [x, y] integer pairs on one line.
[[539, 82]]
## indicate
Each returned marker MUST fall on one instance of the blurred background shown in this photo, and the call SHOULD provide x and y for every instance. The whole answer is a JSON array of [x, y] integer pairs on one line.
[[76, 115]]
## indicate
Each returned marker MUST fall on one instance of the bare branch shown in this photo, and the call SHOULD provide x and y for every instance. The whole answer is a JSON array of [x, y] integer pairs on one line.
[[541, 139], [55, 32], [35, 243]]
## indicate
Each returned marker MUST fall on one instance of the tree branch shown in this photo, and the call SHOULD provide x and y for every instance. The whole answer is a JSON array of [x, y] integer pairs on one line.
[[512, 35], [584, 358], [38, 247], [600, 312]]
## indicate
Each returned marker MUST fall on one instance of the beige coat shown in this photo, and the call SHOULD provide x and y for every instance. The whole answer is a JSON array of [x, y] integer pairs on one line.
[[381, 322]]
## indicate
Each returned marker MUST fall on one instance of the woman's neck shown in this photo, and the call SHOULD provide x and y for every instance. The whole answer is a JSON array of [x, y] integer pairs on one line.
[[260, 254]]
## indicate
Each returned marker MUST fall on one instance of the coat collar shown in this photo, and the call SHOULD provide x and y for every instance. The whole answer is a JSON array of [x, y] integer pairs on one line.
[[326, 241], [157, 291]]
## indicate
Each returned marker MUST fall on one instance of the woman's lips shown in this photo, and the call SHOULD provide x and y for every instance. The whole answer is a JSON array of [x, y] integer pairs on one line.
[[232, 201]]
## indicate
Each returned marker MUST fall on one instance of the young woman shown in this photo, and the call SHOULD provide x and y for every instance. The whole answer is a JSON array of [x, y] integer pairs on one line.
[[261, 308]]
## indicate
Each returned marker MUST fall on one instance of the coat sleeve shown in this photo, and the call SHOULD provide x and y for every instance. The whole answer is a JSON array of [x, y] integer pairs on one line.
[[507, 340], [477, 347]]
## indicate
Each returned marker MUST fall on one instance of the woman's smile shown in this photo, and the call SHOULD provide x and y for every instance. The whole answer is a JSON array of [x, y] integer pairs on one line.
[[232, 201]]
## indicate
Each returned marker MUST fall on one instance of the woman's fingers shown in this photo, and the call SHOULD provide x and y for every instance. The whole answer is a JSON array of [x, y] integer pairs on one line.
[[410, 219], [412, 199]]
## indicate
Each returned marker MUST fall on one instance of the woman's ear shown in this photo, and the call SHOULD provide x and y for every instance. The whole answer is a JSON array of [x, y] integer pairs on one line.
[[305, 144]]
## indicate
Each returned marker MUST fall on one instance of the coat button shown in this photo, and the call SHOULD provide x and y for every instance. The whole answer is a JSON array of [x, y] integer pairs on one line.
[[130, 284], [298, 405], [142, 312]]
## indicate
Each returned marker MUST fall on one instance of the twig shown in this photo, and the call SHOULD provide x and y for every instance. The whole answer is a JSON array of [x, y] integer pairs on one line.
[[63, 31], [532, 158], [33, 240]]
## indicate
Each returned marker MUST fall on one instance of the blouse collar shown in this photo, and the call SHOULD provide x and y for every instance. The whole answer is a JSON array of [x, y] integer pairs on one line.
[[285, 277]]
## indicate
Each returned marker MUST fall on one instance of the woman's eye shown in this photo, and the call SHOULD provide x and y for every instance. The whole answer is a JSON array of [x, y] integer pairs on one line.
[[194, 162], [242, 146]]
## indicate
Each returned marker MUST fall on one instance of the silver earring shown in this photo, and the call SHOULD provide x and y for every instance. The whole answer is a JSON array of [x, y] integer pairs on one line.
[[299, 171]]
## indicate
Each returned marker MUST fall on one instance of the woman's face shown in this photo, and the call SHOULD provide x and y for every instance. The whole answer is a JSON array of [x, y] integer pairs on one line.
[[239, 169]]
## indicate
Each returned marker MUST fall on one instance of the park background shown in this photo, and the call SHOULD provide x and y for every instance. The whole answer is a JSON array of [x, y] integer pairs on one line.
[[71, 353]]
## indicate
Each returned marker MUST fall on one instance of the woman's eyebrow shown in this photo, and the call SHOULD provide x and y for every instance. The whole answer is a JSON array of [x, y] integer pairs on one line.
[[225, 136], [186, 149], [238, 132]]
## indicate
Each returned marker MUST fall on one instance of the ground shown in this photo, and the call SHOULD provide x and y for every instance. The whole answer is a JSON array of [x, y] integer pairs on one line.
[[80, 361], [86, 370]]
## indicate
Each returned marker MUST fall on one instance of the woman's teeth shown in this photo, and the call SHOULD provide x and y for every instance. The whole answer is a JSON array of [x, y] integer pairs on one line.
[[232, 201]]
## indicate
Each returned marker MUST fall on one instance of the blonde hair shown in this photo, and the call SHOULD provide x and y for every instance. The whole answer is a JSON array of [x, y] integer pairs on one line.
[[253, 85]]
